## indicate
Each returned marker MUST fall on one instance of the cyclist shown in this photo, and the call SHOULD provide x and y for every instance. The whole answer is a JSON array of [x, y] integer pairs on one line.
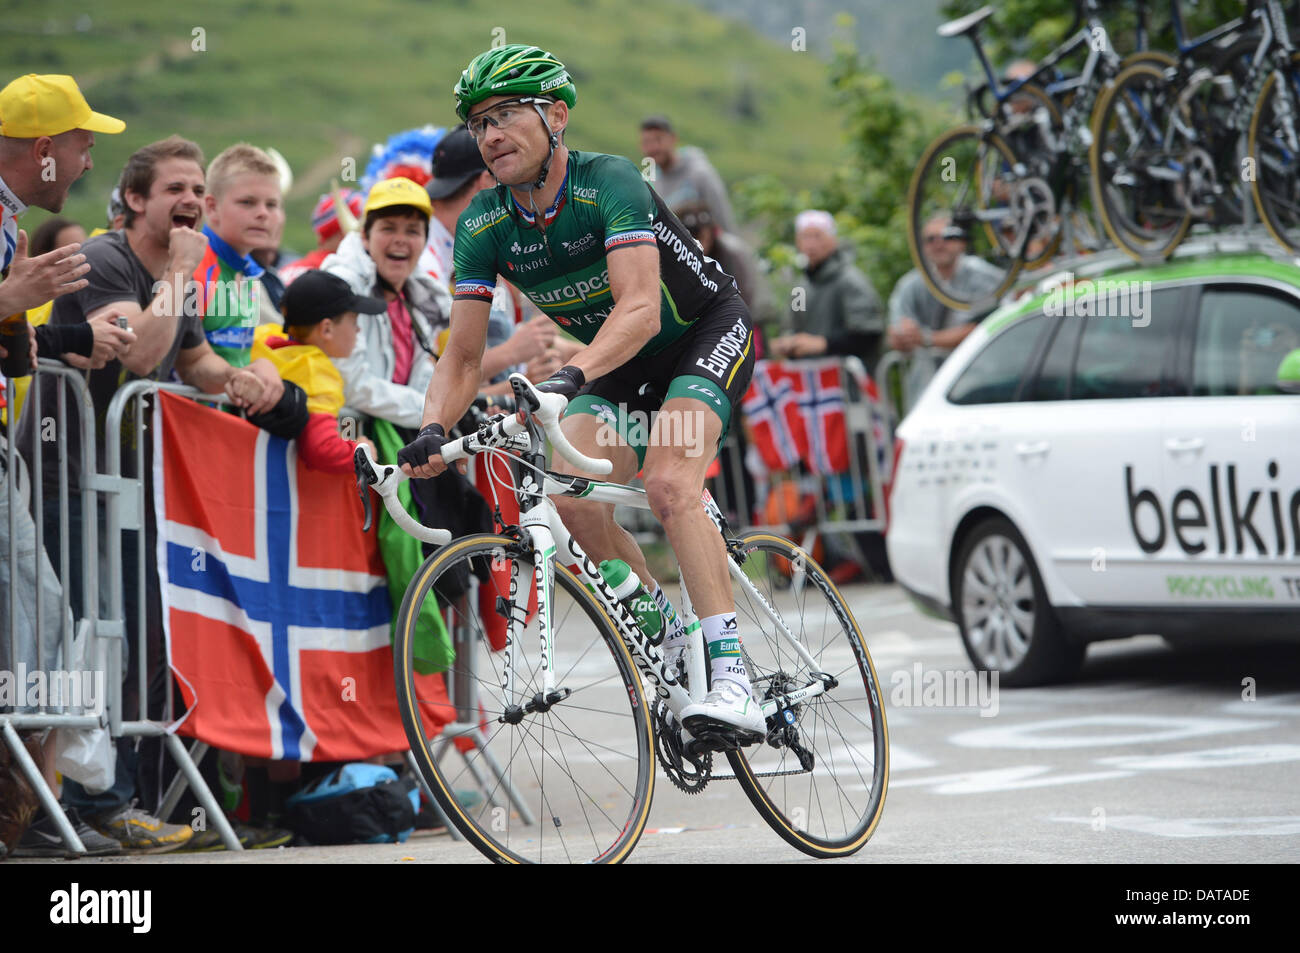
[[666, 332]]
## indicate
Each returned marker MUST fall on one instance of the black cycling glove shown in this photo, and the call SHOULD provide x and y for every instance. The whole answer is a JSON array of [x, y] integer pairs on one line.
[[427, 444], [567, 381]]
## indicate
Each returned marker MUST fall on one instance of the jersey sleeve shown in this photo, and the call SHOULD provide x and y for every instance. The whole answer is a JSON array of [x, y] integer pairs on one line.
[[474, 257], [626, 207]]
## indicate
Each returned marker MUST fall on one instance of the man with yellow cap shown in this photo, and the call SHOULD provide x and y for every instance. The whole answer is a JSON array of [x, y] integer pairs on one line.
[[46, 132]]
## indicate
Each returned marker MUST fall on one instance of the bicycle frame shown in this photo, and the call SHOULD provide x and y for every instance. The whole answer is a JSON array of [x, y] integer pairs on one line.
[[544, 534], [548, 538]]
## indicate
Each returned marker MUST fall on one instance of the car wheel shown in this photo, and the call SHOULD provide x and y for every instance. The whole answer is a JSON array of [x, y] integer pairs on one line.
[[1001, 607]]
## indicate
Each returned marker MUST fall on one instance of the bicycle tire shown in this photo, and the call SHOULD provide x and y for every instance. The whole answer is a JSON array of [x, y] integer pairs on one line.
[[920, 210], [613, 795], [1285, 229], [1137, 242], [817, 721]]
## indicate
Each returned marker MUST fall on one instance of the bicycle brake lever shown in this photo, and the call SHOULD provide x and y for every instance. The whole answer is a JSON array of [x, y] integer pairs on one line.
[[365, 477]]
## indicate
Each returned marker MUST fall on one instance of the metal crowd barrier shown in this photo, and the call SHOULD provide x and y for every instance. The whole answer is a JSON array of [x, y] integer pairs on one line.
[[842, 501], [125, 510], [28, 584], [902, 377], [100, 634]]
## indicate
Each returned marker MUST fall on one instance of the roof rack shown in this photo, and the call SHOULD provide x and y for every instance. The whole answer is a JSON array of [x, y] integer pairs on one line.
[[1236, 240]]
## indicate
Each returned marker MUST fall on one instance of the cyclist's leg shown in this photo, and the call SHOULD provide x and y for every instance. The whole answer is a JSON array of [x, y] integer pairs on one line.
[[710, 378]]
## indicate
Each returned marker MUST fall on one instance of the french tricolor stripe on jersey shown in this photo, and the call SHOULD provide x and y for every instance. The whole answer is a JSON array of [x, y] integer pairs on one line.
[[475, 290], [629, 238]]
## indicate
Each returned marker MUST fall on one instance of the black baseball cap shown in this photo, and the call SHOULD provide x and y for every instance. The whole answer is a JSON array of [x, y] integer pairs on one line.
[[314, 296], [456, 160]]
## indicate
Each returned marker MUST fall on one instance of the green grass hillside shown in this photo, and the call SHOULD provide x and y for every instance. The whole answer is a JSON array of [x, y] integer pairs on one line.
[[322, 80]]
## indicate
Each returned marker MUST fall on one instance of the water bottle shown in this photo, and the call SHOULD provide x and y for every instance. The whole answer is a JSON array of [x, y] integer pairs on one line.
[[629, 591]]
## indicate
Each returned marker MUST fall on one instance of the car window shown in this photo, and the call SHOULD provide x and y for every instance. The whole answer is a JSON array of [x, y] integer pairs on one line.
[[1242, 337], [994, 375], [1053, 380], [1127, 344]]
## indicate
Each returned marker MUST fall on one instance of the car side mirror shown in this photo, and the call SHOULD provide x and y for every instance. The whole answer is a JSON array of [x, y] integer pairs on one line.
[[1288, 373]]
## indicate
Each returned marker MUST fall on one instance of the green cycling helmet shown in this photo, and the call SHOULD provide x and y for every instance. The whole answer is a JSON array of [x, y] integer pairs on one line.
[[514, 69]]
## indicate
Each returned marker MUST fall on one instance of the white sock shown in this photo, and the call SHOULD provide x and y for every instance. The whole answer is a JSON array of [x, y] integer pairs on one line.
[[723, 642]]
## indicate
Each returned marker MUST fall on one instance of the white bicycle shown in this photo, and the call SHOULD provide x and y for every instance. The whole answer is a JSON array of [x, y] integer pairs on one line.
[[560, 726]]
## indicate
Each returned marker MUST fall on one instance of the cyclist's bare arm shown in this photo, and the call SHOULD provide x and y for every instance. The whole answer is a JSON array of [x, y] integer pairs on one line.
[[634, 284], [456, 381]]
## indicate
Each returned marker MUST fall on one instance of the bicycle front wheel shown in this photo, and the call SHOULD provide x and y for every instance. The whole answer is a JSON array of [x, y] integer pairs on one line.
[[820, 783], [563, 780], [1136, 174], [971, 180]]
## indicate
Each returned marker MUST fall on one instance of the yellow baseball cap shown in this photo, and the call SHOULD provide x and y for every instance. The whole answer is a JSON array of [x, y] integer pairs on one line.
[[397, 191], [33, 106]]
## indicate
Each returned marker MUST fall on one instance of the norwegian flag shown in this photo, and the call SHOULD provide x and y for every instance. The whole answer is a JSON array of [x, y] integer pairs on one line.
[[771, 409], [821, 401], [798, 411], [274, 602]]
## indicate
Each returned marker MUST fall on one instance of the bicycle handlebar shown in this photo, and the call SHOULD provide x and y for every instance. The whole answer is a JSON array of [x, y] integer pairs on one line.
[[386, 478], [498, 432]]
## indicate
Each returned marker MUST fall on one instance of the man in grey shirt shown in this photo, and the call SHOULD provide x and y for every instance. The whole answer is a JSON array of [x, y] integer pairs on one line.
[[683, 175], [916, 317]]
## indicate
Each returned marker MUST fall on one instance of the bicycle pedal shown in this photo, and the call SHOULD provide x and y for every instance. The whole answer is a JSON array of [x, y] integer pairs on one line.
[[713, 735]]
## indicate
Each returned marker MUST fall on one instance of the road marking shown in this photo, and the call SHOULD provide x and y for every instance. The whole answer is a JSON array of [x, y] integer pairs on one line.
[[1238, 756], [1286, 705], [1196, 826], [1143, 729], [1004, 779]]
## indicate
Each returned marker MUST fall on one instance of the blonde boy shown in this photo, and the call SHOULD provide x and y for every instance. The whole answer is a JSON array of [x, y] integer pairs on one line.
[[241, 205]]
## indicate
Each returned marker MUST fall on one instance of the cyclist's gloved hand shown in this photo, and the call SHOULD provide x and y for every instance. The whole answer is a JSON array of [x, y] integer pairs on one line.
[[566, 382], [427, 444]]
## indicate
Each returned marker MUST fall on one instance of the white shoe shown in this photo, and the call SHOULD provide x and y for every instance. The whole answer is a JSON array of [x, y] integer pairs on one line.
[[728, 708]]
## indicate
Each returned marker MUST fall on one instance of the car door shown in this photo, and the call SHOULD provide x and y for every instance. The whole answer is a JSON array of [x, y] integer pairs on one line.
[[1093, 453], [1231, 450]]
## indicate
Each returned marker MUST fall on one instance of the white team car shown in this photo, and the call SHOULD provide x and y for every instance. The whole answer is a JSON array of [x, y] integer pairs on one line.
[[1106, 460]]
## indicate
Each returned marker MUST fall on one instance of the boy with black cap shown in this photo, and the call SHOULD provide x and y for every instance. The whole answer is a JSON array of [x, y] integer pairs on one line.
[[320, 322]]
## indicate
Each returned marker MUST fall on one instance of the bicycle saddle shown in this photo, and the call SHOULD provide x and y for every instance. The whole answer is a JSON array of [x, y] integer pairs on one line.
[[966, 24]]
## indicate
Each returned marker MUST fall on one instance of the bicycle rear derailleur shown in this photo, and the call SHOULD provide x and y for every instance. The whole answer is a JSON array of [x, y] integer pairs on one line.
[[686, 766]]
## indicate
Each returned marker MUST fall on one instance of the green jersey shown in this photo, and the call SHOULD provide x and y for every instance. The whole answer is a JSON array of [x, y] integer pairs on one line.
[[602, 204]]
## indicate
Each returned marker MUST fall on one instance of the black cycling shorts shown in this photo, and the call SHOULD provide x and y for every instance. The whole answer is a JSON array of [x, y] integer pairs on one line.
[[712, 363]]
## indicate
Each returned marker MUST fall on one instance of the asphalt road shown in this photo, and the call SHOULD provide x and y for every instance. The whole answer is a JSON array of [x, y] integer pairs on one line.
[[1154, 755]]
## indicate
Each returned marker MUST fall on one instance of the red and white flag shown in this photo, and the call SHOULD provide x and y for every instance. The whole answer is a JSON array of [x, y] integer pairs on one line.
[[275, 607]]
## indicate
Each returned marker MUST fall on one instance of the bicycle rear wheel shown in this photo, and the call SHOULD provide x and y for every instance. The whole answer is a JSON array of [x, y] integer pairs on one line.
[[570, 781], [824, 793], [1274, 150]]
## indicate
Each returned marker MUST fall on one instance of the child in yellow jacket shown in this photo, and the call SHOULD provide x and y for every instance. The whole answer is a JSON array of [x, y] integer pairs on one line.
[[320, 322]]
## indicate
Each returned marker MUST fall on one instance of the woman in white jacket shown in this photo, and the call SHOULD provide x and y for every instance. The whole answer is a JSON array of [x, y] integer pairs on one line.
[[388, 372]]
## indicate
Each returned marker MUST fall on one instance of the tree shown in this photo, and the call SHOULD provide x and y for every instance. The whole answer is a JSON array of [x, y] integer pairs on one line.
[[884, 133]]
